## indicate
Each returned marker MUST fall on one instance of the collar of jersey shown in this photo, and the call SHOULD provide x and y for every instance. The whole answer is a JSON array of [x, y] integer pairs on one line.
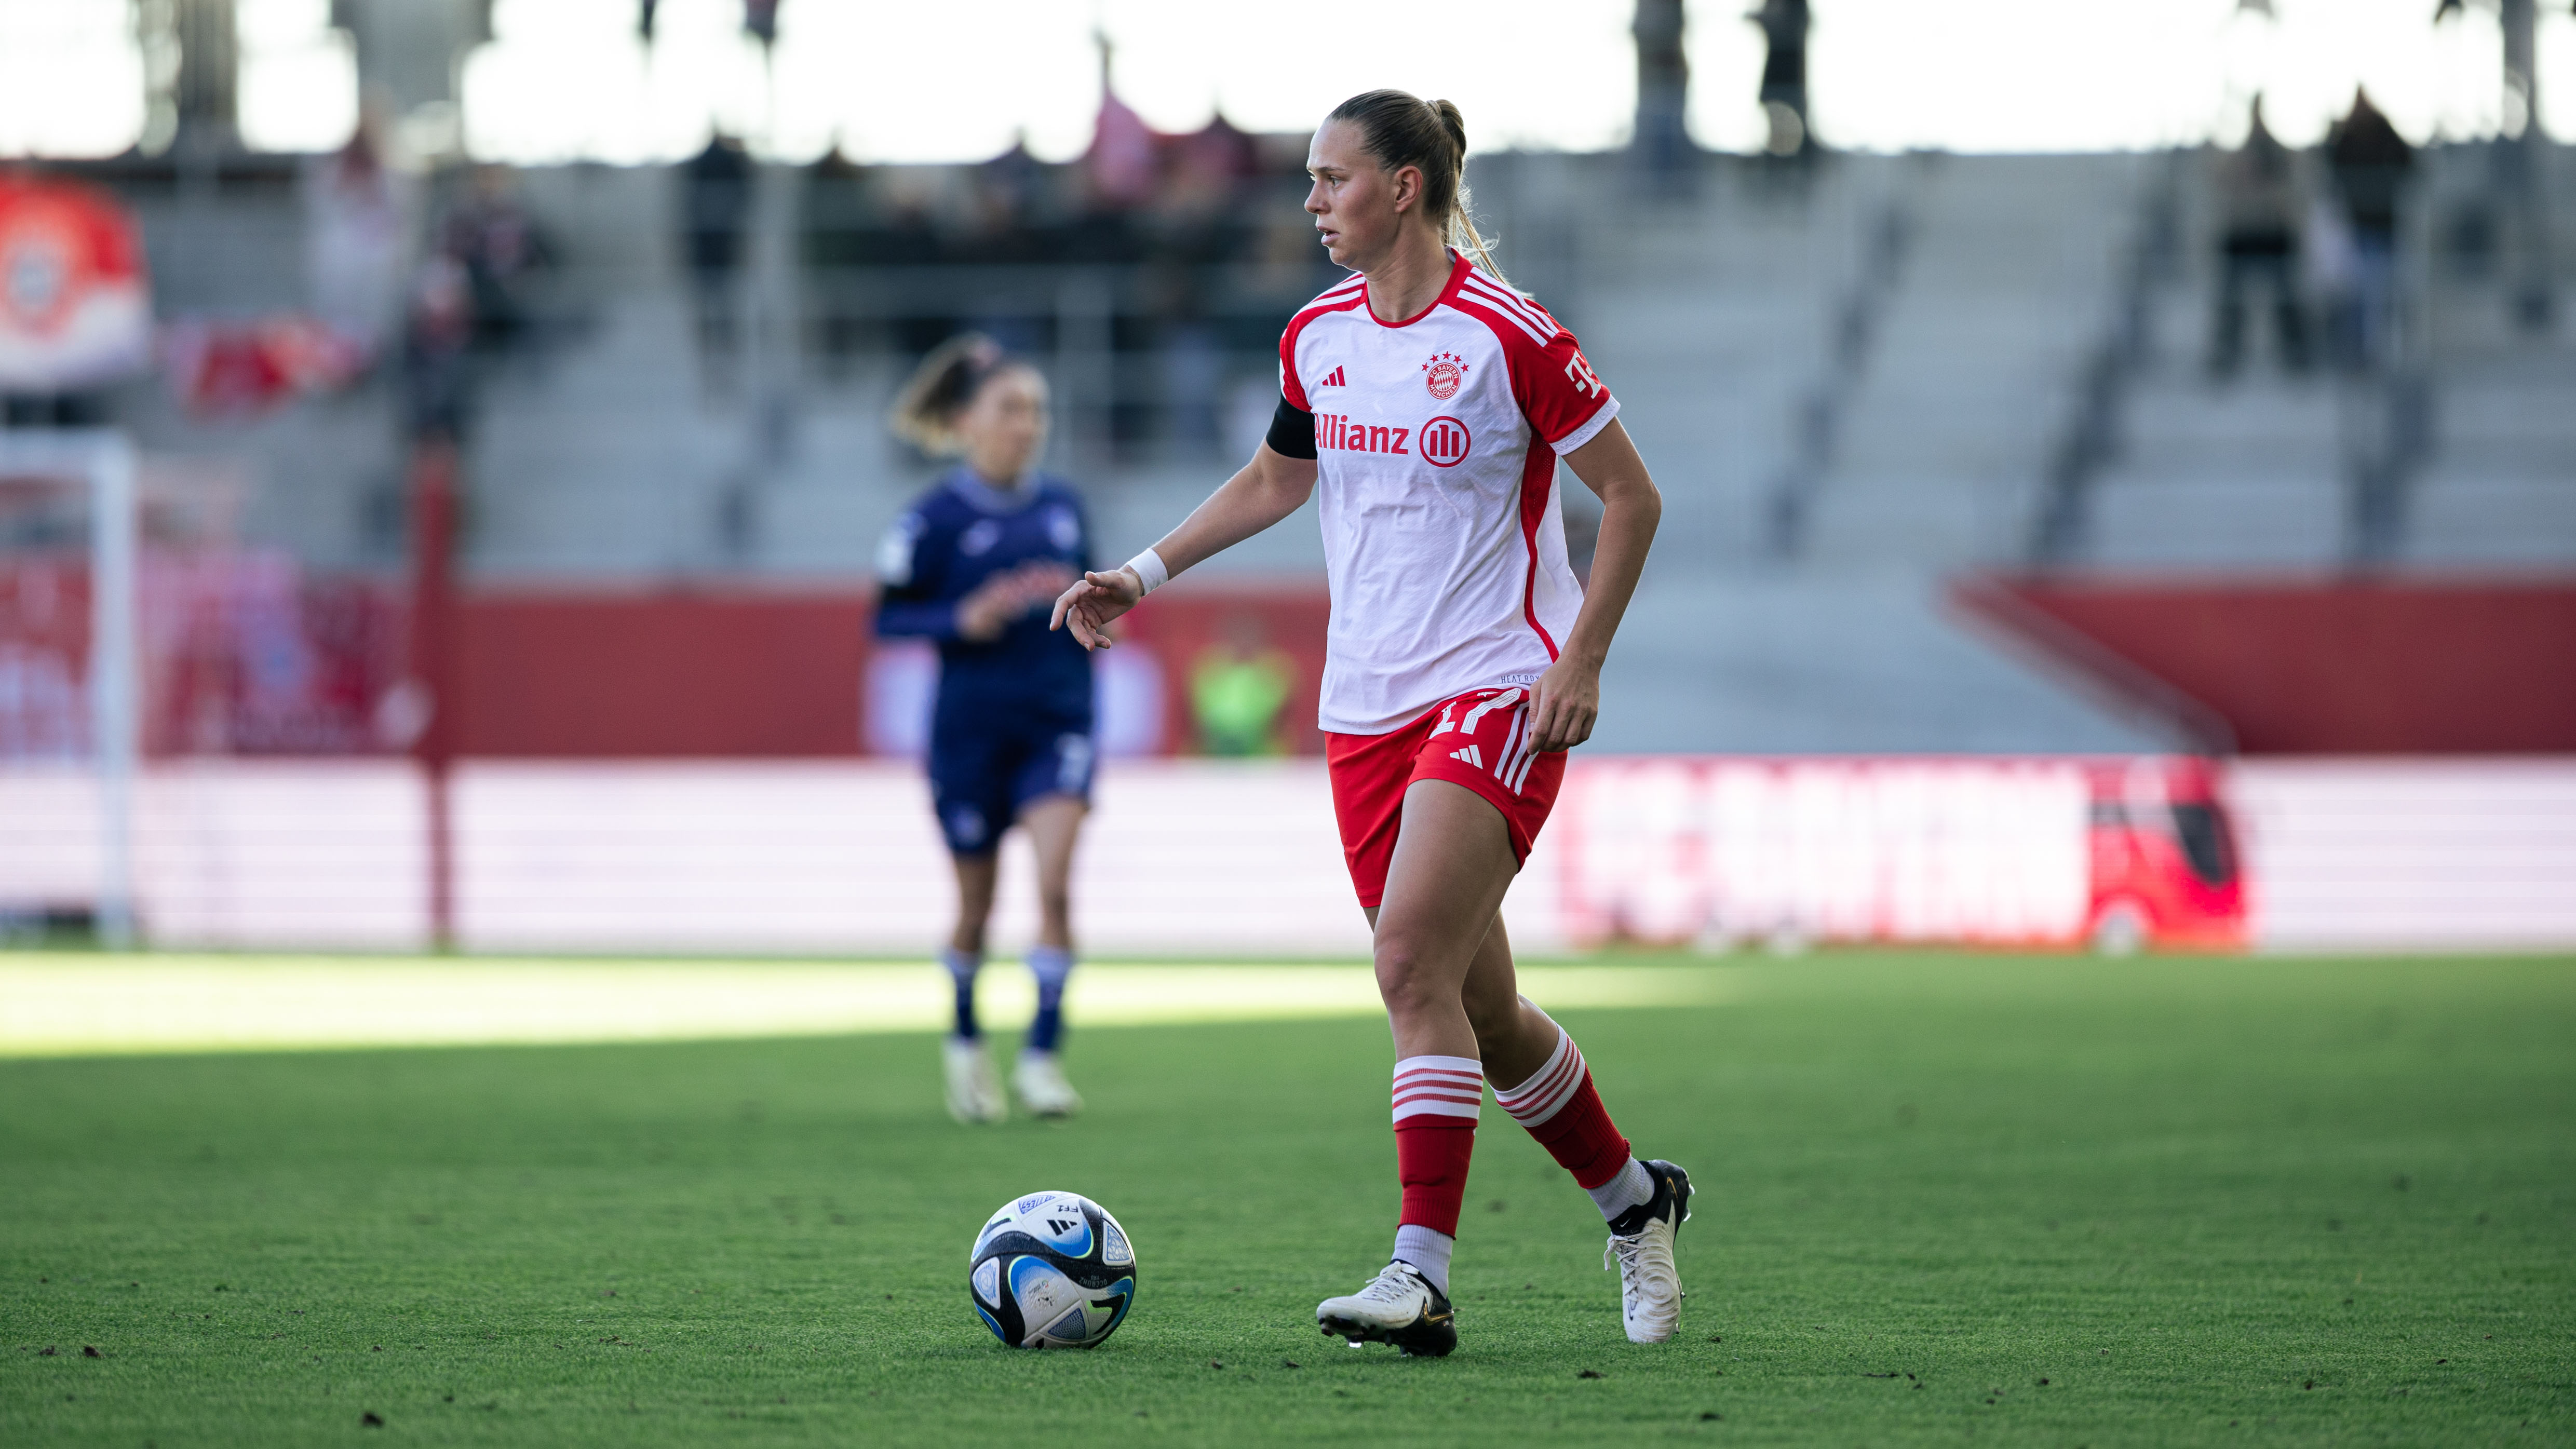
[[1458, 265], [989, 499]]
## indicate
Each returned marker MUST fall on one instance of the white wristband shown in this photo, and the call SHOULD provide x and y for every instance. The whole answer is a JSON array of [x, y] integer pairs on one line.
[[1149, 570]]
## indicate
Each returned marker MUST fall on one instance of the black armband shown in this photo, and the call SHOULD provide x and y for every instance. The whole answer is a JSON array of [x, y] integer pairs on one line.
[[1292, 430]]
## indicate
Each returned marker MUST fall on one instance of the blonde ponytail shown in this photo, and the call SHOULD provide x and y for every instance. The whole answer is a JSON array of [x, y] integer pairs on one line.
[[1401, 129], [1460, 229], [925, 412]]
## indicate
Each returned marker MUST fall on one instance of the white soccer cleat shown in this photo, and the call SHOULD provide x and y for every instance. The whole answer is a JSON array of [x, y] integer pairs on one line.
[[1399, 1306], [1650, 1283], [974, 1093], [1039, 1079]]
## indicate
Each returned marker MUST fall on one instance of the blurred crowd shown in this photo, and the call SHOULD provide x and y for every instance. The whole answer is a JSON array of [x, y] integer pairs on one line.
[[470, 294], [1195, 247], [2318, 252], [1192, 250]]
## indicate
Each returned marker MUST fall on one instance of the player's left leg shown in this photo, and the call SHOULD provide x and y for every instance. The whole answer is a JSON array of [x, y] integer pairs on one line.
[[1054, 823], [1541, 1079]]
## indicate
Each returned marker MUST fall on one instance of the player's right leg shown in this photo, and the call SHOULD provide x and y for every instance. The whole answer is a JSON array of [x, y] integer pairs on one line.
[[1541, 1079], [961, 791], [1451, 863], [974, 1092]]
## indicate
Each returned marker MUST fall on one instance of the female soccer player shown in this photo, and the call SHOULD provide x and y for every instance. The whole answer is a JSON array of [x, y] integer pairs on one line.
[[1433, 401], [972, 565]]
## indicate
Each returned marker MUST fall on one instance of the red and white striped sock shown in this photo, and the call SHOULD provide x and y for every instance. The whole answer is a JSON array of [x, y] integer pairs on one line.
[[1436, 1101], [1559, 1107]]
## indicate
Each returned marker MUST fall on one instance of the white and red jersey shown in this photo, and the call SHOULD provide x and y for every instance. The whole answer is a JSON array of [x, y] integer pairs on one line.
[[1436, 440]]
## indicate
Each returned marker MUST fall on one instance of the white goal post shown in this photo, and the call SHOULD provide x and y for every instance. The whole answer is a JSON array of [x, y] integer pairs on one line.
[[101, 462]]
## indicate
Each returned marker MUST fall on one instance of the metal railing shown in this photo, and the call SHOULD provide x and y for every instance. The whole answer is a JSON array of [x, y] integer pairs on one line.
[[1817, 425], [1133, 378], [2090, 439]]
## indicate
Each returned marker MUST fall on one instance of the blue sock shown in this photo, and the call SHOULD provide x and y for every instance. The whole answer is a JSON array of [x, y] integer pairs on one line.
[[1051, 964], [962, 966]]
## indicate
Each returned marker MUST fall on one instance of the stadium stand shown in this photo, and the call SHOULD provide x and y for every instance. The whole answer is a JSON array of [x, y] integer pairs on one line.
[[2259, 472], [1853, 378]]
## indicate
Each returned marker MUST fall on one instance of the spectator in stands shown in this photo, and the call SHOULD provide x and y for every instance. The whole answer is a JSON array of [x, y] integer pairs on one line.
[[1002, 229], [1122, 168], [2370, 162], [1001, 213], [1195, 229], [834, 234], [438, 327], [1662, 145], [493, 238], [715, 215], [2258, 196], [910, 238], [468, 294], [1785, 24], [354, 240]]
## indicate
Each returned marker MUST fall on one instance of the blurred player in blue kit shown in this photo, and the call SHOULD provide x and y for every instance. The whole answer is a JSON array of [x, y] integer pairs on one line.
[[974, 565]]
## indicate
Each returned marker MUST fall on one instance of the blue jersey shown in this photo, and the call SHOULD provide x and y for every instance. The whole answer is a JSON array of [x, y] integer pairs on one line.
[[945, 546]]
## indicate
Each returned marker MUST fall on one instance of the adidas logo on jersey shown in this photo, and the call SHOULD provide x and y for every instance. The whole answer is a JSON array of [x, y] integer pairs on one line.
[[1471, 755], [1333, 379]]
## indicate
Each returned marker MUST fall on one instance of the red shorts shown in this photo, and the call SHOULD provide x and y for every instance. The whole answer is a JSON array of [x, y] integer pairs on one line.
[[1479, 739]]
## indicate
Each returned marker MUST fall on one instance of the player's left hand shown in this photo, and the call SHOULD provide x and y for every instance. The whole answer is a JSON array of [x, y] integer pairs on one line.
[[1564, 703]]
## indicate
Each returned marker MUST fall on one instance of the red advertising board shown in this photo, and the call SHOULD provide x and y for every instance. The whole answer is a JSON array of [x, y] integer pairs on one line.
[[2003, 850]]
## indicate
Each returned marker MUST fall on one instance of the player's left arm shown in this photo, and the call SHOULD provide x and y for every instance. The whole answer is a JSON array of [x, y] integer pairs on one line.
[[1567, 698]]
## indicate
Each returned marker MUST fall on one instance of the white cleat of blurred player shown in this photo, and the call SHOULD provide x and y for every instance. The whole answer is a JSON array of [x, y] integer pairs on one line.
[[1039, 1079], [974, 1092], [1641, 1248]]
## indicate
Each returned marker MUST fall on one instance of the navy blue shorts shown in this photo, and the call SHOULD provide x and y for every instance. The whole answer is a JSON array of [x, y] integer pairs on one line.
[[982, 777]]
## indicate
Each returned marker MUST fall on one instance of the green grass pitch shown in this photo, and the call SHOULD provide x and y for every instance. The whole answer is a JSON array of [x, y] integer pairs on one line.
[[1943, 1199]]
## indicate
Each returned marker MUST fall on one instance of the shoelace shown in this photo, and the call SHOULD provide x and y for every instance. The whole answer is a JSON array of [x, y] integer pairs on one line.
[[1629, 1253], [1391, 1285]]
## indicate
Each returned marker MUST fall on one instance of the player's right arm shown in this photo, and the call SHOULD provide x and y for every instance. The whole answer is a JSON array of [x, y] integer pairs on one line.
[[912, 600], [915, 601], [1266, 490]]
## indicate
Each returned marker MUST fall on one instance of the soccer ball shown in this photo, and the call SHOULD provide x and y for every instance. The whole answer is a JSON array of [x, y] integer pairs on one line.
[[1052, 1270]]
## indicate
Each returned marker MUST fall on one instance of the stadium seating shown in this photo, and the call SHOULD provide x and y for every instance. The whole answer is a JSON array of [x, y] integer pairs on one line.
[[606, 447]]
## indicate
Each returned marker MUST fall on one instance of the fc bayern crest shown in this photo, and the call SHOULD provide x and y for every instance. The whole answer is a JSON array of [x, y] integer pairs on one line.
[[1443, 374]]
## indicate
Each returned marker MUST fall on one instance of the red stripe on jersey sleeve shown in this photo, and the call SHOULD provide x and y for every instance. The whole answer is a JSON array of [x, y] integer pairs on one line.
[[1552, 381]]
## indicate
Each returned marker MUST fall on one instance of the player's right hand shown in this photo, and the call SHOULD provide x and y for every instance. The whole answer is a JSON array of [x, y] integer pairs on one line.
[[1092, 602]]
